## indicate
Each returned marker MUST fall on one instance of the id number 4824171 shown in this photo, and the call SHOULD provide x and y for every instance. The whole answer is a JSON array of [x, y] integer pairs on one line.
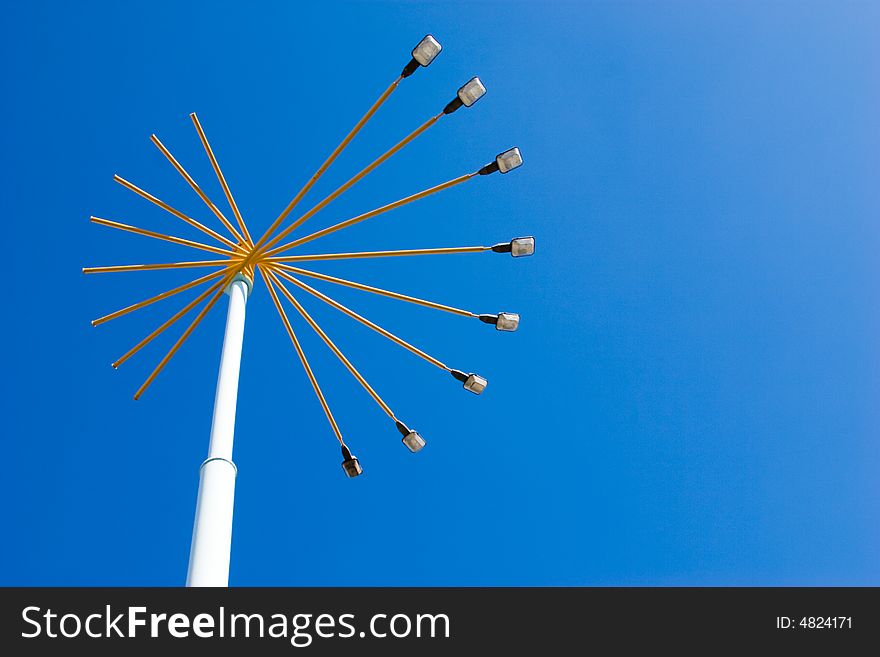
[[814, 622]]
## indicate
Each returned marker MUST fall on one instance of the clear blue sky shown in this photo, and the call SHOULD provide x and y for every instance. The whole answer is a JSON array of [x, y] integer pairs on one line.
[[692, 397]]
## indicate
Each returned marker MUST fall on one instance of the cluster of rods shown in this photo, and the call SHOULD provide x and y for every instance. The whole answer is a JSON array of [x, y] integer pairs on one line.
[[242, 256]]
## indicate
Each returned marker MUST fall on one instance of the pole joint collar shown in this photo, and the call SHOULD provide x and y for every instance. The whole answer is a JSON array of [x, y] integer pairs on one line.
[[219, 458], [241, 277]]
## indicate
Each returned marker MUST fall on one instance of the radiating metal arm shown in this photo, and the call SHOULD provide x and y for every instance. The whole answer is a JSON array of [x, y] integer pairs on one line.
[[302, 357], [320, 172], [158, 297], [177, 213], [339, 191], [219, 285], [370, 214], [221, 178], [377, 254], [363, 320], [376, 290], [351, 368], [182, 338], [160, 236], [164, 265], [196, 188]]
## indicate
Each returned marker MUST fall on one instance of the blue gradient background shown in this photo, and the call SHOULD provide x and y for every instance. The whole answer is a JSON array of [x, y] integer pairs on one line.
[[692, 396]]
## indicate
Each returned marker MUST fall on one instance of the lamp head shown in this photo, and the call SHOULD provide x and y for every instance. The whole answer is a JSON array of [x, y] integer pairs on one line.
[[467, 95], [518, 247], [502, 321], [475, 383], [522, 246], [472, 382], [507, 161], [423, 54], [412, 439], [350, 464]]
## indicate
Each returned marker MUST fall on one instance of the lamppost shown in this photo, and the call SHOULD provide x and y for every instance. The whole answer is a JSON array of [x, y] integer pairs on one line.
[[241, 258]]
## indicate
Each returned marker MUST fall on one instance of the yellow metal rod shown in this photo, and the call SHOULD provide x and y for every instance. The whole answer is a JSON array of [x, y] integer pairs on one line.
[[351, 368], [302, 357], [222, 179], [197, 189], [180, 313], [320, 172], [160, 236], [377, 254], [403, 142], [376, 290], [165, 265], [370, 214], [363, 320], [180, 341], [192, 222], [158, 297]]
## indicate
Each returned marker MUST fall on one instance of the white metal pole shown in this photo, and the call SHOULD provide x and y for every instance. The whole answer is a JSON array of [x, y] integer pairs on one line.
[[212, 529]]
